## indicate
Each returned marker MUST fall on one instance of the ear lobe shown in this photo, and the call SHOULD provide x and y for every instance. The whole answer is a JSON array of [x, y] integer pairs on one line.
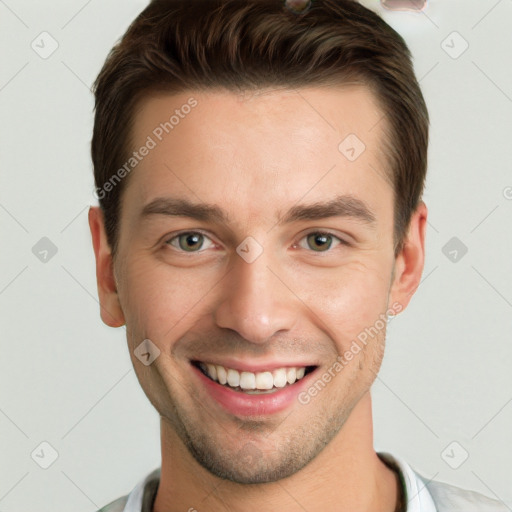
[[410, 260], [110, 308]]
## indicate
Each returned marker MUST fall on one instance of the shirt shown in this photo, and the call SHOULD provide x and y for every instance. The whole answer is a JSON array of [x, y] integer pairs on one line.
[[420, 494]]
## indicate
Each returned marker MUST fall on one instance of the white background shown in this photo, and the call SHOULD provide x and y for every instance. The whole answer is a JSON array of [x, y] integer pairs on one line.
[[66, 379]]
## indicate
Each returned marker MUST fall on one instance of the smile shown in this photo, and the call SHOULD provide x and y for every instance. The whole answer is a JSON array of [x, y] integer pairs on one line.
[[262, 382]]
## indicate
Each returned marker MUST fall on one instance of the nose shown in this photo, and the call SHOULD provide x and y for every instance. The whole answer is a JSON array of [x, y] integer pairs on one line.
[[256, 301]]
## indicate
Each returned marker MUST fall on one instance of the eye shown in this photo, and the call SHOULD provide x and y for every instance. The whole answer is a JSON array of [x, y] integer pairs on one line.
[[320, 241], [188, 241]]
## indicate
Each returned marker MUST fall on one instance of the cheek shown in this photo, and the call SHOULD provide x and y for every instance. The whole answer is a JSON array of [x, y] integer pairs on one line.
[[161, 301], [347, 300]]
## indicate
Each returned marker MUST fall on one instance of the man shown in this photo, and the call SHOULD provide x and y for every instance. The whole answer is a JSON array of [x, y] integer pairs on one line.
[[260, 168]]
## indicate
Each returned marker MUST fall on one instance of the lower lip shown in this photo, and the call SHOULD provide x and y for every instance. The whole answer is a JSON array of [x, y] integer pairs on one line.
[[243, 404]]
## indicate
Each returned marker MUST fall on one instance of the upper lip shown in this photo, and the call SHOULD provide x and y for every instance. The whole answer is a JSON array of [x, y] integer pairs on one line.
[[253, 366]]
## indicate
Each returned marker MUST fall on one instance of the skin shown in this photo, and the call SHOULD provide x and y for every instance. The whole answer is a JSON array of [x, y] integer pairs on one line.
[[256, 155]]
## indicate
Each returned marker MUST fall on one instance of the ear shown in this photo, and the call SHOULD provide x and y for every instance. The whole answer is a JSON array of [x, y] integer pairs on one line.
[[410, 260], [110, 308]]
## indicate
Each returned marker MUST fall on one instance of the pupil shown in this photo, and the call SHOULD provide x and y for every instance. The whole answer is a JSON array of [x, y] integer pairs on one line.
[[192, 239], [320, 240]]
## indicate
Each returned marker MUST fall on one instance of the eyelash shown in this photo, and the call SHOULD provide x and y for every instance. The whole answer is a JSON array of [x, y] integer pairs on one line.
[[295, 244]]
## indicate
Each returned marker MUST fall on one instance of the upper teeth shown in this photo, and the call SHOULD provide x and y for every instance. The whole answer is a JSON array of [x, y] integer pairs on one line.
[[249, 380]]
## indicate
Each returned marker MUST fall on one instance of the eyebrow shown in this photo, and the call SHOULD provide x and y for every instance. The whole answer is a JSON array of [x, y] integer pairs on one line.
[[340, 206]]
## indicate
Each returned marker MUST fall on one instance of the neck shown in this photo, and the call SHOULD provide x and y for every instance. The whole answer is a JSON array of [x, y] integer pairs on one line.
[[346, 476]]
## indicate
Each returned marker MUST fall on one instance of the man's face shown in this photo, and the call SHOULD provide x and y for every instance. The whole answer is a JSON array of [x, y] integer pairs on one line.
[[298, 293]]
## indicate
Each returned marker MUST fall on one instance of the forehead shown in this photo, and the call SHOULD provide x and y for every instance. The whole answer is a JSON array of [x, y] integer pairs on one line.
[[258, 152]]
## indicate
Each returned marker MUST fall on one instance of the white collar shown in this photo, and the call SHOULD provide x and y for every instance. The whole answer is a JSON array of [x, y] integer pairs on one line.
[[418, 497], [134, 503]]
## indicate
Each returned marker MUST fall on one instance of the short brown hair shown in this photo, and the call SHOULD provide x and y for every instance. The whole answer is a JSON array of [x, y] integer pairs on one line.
[[180, 45]]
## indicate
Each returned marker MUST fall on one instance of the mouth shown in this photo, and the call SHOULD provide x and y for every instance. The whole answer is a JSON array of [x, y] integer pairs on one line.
[[254, 383]]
